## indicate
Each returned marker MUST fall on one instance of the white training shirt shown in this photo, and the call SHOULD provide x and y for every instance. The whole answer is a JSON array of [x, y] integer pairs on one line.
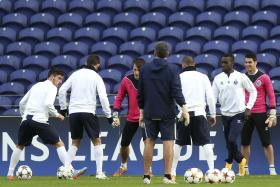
[[39, 102], [84, 84], [196, 88], [230, 92]]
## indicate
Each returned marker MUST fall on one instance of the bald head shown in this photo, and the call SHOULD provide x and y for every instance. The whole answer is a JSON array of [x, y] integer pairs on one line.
[[161, 50], [187, 61]]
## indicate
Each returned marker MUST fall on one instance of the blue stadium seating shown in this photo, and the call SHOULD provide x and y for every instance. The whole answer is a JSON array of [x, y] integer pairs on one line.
[[111, 7], [113, 76], [175, 59], [255, 33], [88, 35], [154, 20], [23, 76], [1, 49], [10, 88], [11, 112], [275, 73], [71, 21], [36, 63], [54, 7], [265, 18], [215, 73], [15, 21], [116, 88], [5, 7], [59, 35], [275, 32], [3, 76], [7, 35], [244, 47], [81, 7], [249, 6], [239, 60], [117, 35], [83, 61], [237, 19], [145, 35], [271, 46], [9, 63], [27, 7], [276, 85], [136, 6], [126, 20], [5, 103], [122, 63], [228, 34], [20, 49], [191, 48], [209, 19], [216, 47], [43, 21], [47, 49], [271, 5], [172, 35], [147, 58], [76, 49], [207, 61], [266, 61], [105, 49], [219, 6], [199, 34], [165, 7], [31, 35], [132, 48], [183, 20], [43, 75], [98, 20], [193, 7], [65, 62], [203, 70]]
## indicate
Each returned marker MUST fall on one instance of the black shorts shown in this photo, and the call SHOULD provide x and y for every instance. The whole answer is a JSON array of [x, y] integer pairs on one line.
[[80, 121], [198, 131], [29, 128], [167, 129], [129, 131], [258, 121]]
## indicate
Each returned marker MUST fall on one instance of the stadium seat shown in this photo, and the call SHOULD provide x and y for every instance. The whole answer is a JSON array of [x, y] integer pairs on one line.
[[274, 32], [275, 74], [154, 20], [70, 21], [98, 20], [266, 61], [209, 19], [216, 47], [111, 76], [117, 35], [31, 35], [116, 88], [132, 48], [271, 46], [15, 21], [76, 49], [208, 62], [59, 35], [11, 112], [12, 88], [237, 19], [105, 49], [147, 58], [48, 49], [249, 6], [43, 75], [5, 104], [36, 63], [9, 63], [27, 7], [136, 6], [88, 35], [145, 35], [278, 102], [203, 71], [244, 47], [7, 35], [271, 5], [199, 34], [111, 7], [129, 72], [124, 112], [65, 62], [20, 49], [81, 7], [183, 20], [175, 59], [1, 49], [265, 18], [126, 20], [255, 33], [191, 48], [3, 76], [172, 35], [165, 7], [122, 63], [194, 7], [215, 72], [83, 61], [219, 6], [239, 60], [43, 21], [23, 76], [5, 7], [227, 34], [54, 7], [276, 85], [151, 47]]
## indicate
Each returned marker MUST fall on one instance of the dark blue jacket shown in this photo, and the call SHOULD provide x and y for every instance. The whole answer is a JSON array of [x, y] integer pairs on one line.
[[159, 88]]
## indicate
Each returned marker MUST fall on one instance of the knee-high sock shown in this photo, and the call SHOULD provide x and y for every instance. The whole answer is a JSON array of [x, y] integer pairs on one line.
[[98, 153], [63, 157], [14, 161], [72, 153], [209, 154], [177, 151]]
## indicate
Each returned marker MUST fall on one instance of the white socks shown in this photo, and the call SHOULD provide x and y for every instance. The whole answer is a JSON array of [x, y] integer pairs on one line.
[[14, 161], [209, 154], [98, 154], [177, 150], [72, 153], [124, 165], [63, 157]]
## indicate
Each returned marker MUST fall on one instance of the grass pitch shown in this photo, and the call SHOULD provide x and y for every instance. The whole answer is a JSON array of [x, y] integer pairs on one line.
[[87, 181]]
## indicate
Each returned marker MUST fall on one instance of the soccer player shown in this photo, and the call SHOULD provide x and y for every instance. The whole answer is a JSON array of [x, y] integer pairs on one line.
[[159, 88], [129, 86], [35, 108], [229, 89], [258, 117], [197, 91], [85, 84]]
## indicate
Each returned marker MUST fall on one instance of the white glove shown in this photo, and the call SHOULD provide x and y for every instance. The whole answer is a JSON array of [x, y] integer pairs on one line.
[[141, 118], [116, 119], [185, 115], [271, 121]]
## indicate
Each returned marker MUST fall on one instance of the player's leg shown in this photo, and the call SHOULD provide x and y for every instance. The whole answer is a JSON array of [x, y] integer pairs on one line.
[[128, 132], [14, 161], [226, 127]]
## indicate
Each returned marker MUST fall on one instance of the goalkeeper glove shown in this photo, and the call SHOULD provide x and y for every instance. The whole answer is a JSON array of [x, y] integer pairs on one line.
[[185, 117], [271, 121], [116, 119]]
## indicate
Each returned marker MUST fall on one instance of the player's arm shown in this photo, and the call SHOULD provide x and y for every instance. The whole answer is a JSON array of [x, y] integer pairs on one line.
[[62, 95], [49, 102], [210, 101], [23, 102], [215, 90], [249, 87], [140, 98]]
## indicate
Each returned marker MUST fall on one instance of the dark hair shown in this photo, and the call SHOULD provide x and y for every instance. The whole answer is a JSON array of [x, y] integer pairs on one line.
[[229, 55], [55, 71], [251, 55], [139, 62], [161, 49], [93, 60]]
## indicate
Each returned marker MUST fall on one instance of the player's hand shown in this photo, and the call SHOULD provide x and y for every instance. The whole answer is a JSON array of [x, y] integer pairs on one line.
[[247, 114], [271, 121], [110, 120], [60, 117], [64, 112], [141, 119], [116, 119], [212, 121], [185, 115]]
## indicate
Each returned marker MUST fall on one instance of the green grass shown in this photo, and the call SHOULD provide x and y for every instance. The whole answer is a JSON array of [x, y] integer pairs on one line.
[[248, 181]]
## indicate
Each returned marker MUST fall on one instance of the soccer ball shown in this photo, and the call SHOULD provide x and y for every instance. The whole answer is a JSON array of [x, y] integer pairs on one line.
[[213, 176], [24, 172], [228, 175], [63, 173], [193, 176]]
